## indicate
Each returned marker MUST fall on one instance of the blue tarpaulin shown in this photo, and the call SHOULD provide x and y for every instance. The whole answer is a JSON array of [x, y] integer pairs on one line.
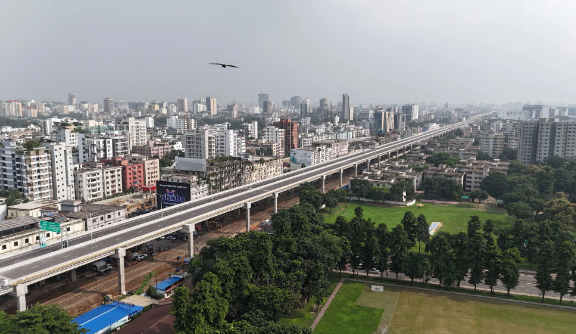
[[107, 317], [168, 283]]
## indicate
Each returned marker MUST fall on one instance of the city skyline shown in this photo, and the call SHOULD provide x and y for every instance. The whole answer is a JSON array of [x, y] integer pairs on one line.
[[448, 51]]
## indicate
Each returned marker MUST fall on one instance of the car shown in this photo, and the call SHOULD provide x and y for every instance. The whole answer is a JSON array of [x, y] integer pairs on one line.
[[170, 237], [141, 257], [162, 237]]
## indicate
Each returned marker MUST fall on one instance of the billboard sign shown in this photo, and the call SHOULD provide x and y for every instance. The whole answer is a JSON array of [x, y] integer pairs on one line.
[[171, 193], [50, 226]]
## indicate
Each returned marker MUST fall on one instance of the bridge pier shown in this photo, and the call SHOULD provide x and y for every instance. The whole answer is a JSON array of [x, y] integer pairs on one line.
[[247, 206], [189, 229], [323, 184], [355, 170], [379, 158], [20, 292], [368, 165], [121, 252], [275, 202], [73, 275], [341, 171]]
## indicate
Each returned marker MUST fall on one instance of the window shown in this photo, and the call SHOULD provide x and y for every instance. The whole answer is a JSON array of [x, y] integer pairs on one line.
[[15, 243], [37, 237], [47, 235], [4, 247], [26, 240], [67, 229]]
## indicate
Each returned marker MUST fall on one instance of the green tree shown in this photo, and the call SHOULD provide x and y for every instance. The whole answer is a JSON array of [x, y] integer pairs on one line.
[[383, 244], [519, 210], [477, 257], [181, 307], [309, 194], [516, 167], [422, 230], [414, 266], [493, 258], [400, 245], [273, 301], [461, 250], [443, 259], [565, 262], [331, 203], [410, 225], [545, 259], [370, 251], [495, 184], [30, 144], [208, 308], [509, 269], [488, 228], [508, 154], [360, 187], [442, 158], [40, 319], [481, 155], [13, 197], [474, 225], [402, 191], [537, 205], [561, 209], [378, 193]]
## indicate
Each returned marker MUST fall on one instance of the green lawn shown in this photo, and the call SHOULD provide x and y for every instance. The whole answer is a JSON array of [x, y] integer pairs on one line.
[[453, 217], [356, 309], [345, 316]]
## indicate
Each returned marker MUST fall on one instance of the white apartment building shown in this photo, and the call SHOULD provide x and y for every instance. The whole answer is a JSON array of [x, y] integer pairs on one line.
[[273, 134], [111, 180], [49, 125], [258, 170], [250, 129], [65, 135], [149, 121], [11, 109], [92, 149], [134, 130], [199, 144], [492, 145], [88, 184], [29, 172], [225, 143], [544, 138], [181, 125], [62, 171]]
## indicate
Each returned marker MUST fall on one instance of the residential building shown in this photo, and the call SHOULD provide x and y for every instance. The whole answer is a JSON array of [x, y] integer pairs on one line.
[[290, 134], [71, 99], [399, 121], [273, 134], [65, 135], [151, 167], [250, 129], [546, 137], [492, 145], [132, 173], [149, 121], [95, 216], [93, 148], [261, 99], [347, 114], [181, 125], [295, 101], [211, 106], [411, 112], [28, 171], [199, 144], [134, 130], [183, 105], [88, 184], [383, 122], [111, 180], [108, 106], [11, 108], [476, 170], [62, 165], [153, 148], [225, 143]]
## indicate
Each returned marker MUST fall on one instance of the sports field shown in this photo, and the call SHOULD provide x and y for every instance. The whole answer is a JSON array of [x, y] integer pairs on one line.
[[356, 309], [454, 218]]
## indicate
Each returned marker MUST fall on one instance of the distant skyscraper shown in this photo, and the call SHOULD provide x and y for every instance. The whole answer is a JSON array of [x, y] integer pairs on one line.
[[233, 110], [295, 101], [304, 108], [383, 121], [71, 99], [261, 99], [346, 108], [108, 105], [323, 105], [267, 107], [183, 105], [211, 106], [411, 111]]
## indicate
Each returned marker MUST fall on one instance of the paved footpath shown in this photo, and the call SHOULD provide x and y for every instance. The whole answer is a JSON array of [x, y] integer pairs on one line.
[[317, 320]]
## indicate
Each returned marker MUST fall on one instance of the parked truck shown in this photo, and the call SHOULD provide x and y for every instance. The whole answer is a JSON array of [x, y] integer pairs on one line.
[[101, 266]]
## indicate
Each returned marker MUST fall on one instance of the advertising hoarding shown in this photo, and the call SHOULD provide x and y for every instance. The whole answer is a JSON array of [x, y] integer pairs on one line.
[[171, 193]]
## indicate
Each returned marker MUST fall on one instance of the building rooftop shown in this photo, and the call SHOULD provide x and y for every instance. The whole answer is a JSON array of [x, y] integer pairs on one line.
[[95, 209], [35, 205]]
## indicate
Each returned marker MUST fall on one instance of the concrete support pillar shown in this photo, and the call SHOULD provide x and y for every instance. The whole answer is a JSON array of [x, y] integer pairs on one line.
[[121, 252], [397, 154], [379, 158], [368, 165], [247, 206], [356, 170], [73, 275], [189, 230], [341, 183], [323, 184], [20, 292], [276, 202]]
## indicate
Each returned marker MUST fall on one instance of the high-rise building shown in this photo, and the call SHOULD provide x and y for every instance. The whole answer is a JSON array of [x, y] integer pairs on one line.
[[399, 121], [544, 138], [151, 167], [383, 121], [211, 105], [323, 105], [273, 134], [411, 111], [29, 172], [346, 114], [290, 134], [71, 99], [199, 144], [11, 108], [304, 108], [492, 145], [182, 105], [536, 111], [267, 107], [295, 101], [134, 130], [261, 99], [108, 105], [233, 110]]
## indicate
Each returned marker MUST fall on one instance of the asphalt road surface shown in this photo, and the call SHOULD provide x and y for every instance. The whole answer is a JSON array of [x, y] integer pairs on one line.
[[212, 203]]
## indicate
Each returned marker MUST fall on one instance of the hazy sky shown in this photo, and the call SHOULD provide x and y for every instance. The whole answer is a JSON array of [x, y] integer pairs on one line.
[[376, 51]]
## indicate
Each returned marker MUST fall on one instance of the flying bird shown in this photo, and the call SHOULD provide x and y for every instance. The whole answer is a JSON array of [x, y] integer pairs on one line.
[[223, 65]]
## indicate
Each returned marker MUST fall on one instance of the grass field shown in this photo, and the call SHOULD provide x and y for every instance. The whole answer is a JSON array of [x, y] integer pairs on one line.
[[356, 309], [454, 217]]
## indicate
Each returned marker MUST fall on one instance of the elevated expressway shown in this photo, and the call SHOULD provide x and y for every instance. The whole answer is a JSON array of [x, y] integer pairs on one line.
[[21, 270]]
